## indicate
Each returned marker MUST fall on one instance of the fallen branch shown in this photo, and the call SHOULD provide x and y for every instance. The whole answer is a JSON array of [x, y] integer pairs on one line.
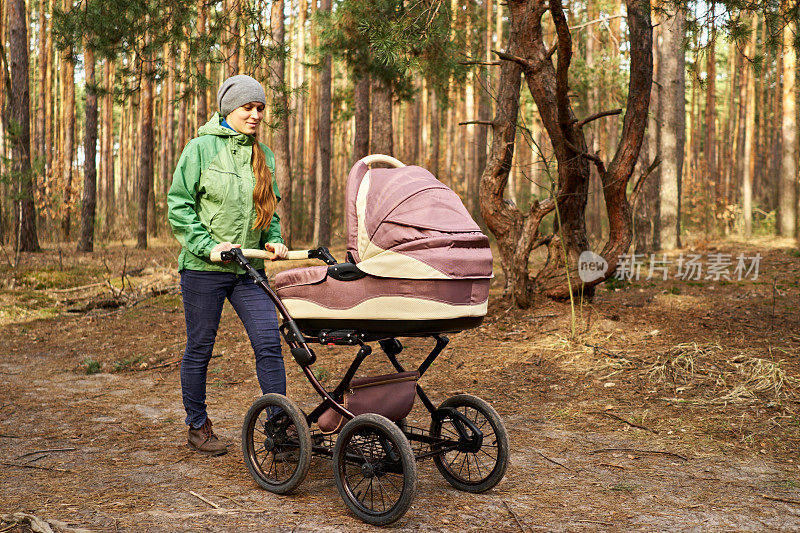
[[607, 524], [51, 450], [613, 465], [632, 424], [516, 518], [784, 500], [72, 289], [555, 462], [209, 502], [177, 361], [657, 452], [36, 467]]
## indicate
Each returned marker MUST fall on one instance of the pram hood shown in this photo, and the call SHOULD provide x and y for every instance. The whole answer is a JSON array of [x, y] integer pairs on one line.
[[404, 223]]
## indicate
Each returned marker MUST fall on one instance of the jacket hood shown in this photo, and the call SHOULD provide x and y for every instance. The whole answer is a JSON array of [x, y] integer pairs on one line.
[[214, 127]]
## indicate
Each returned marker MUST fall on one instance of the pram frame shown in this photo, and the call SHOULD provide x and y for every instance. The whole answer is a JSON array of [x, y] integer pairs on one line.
[[394, 439]]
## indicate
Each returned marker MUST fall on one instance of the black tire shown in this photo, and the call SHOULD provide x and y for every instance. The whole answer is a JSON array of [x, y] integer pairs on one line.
[[276, 443], [473, 471], [374, 468]]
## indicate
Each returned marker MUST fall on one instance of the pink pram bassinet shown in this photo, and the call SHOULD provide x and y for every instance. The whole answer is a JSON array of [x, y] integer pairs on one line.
[[417, 262]]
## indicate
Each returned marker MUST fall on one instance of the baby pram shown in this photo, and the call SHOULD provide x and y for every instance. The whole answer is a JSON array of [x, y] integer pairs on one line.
[[417, 266]]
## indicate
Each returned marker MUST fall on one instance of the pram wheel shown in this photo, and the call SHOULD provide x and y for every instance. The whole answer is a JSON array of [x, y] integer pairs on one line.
[[475, 465], [374, 468], [276, 443]]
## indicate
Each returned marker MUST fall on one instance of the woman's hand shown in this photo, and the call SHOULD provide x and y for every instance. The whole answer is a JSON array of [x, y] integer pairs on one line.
[[279, 249], [224, 247]]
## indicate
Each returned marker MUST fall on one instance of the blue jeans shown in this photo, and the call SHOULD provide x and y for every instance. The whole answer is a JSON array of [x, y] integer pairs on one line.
[[204, 294]]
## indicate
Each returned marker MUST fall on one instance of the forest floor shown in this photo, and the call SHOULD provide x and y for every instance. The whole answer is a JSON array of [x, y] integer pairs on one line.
[[661, 405]]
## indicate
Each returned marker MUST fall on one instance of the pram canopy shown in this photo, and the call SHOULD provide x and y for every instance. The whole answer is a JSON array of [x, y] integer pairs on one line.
[[419, 258]]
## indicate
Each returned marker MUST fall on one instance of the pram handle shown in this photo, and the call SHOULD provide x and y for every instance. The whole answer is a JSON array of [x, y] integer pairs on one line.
[[381, 158], [254, 253]]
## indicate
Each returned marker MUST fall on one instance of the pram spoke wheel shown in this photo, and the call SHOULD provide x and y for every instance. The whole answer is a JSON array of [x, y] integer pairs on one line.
[[476, 464], [276, 443], [375, 470]]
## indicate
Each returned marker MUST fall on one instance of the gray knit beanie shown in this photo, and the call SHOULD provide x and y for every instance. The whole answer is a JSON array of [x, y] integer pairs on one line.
[[237, 91]]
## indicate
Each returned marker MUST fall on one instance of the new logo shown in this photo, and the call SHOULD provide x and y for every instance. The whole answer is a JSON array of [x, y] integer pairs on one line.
[[591, 266]]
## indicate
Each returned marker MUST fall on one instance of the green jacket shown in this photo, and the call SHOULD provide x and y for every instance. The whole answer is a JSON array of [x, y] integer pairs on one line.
[[211, 197]]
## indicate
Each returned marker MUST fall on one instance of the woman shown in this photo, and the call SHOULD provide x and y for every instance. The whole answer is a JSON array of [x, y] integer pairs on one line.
[[224, 192]]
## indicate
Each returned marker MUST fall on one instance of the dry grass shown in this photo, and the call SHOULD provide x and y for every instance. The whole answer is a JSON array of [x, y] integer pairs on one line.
[[759, 378], [685, 362]]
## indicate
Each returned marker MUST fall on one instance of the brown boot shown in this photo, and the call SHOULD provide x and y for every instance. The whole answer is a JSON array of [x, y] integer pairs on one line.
[[204, 441]]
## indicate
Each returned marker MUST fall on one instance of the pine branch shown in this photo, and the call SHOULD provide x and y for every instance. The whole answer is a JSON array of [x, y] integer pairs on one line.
[[601, 167], [596, 116], [637, 188]]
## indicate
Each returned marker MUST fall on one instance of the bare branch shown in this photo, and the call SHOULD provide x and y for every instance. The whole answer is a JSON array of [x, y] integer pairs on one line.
[[486, 63], [524, 63], [482, 122], [603, 20], [528, 67], [637, 187], [601, 114], [601, 167]]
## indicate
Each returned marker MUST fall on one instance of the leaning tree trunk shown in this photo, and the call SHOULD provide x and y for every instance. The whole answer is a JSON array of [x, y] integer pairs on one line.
[[517, 232], [89, 200], [280, 138], [25, 225]]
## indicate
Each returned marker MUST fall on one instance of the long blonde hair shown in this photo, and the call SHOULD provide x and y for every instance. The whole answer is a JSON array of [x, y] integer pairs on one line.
[[264, 198]]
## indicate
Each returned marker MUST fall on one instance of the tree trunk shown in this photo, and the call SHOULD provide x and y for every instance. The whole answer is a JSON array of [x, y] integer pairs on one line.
[[68, 118], [169, 126], [25, 224], [145, 158], [49, 100], [43, 95], [301, 122], [202, 111], [183, 108], [749, 136], [322, 222], [714, 181], [787, 182], [89, 200], [232, 44], [672, 72], [647, 217], [484, 101], [411, 130], [108, 158], [381, 137], [435, 119], [361, 129], [280, 103]]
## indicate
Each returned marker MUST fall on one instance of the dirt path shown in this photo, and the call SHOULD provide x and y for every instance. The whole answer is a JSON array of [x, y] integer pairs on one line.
[[571, 405]]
